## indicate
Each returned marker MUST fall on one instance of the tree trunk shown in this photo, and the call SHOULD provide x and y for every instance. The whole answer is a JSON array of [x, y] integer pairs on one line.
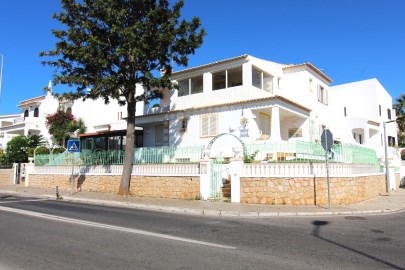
[[129, 149]]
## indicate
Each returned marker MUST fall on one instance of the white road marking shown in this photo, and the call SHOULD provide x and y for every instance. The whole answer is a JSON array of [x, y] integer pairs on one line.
[[111, 227]]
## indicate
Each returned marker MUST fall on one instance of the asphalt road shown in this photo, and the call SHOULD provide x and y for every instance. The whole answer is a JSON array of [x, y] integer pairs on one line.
[[47, 234]]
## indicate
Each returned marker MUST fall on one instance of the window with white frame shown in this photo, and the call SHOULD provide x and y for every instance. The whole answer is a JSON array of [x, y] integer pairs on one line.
[[322, 95], [264, 124], [189, 86], [208, 125], [227, 78], [262, 80]]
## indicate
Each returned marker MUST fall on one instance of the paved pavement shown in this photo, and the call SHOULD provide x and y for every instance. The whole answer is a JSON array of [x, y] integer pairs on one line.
[[392, 202]]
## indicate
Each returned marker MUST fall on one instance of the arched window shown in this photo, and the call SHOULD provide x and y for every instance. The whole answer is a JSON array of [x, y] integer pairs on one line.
[[36, 112], [26, 113], [69, 110]]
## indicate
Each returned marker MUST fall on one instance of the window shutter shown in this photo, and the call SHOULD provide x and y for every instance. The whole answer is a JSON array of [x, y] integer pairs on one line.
[[326, 100], [204, 126], [213, 125], [319, 93]]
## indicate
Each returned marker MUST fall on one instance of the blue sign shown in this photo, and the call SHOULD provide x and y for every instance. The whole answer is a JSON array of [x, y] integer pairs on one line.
[[73, 146]]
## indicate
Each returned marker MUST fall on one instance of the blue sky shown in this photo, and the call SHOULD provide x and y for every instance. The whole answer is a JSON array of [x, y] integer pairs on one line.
[[349, 40]]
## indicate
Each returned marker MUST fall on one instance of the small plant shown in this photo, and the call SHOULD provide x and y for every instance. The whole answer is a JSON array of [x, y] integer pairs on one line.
[[156, 105], [244, 121], [403, 154], [250, 158]]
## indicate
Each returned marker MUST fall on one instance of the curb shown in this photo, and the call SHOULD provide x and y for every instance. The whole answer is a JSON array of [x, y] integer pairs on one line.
[[206, 212]]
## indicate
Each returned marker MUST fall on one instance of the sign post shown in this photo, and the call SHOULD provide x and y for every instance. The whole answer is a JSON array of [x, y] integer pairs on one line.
[[327, 142], [73, 146]]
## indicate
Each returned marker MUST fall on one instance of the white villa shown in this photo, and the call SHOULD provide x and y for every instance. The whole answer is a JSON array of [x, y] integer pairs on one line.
[[221, 104], [261, 101]]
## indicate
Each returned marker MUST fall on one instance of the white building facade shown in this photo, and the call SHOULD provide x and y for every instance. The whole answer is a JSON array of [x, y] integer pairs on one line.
[[250, 99], [258, 100]]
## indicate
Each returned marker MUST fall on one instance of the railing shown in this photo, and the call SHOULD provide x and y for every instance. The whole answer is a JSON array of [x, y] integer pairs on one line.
[[279, 152], [144, 169], [306, 169], [144, 155], [310, 151]]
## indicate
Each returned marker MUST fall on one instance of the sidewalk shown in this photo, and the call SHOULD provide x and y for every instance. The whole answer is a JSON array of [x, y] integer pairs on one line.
[[393, 202]]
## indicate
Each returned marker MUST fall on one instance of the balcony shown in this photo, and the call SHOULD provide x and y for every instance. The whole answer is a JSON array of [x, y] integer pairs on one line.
[[156, 109]]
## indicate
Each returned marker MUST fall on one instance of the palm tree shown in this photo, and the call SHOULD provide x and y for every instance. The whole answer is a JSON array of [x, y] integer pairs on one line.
[[399, 107], [77, 127]]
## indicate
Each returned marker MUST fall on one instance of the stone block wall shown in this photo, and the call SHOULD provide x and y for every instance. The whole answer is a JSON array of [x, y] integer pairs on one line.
[[6, 177], [311, 190], [176, 187]]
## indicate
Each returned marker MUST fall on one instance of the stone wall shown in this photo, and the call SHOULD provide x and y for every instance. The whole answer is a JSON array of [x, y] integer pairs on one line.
[[310, 190], [176, 187], [6, 177]]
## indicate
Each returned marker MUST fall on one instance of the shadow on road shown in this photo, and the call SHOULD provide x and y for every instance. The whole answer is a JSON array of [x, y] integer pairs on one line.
[[316, 232]]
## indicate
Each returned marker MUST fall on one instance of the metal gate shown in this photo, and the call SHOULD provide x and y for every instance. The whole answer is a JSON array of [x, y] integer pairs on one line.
[[216, 178]]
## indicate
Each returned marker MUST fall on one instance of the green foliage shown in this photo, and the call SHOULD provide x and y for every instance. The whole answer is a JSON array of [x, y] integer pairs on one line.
[[77, 126], [16, 150], [110, 46], [403, 154], [251, 157], [399, 107], [42, 151], [58, 150], [30, 151], [3, 158], [58, 125], [36, 140], [106, 45]]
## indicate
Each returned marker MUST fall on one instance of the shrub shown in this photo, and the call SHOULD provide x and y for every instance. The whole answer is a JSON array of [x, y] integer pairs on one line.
[[30, 151], [58, 150], [250, 158], [42, 151]]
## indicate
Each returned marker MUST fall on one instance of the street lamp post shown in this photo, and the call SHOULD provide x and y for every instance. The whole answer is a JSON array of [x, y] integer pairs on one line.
[[387, 175]]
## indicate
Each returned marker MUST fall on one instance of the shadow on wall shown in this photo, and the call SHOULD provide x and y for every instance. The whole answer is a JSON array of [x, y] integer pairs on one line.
[[80, 181]]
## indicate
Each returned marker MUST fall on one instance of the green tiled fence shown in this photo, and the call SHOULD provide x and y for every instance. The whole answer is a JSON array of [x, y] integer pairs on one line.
[[142, 155], [297, 151]]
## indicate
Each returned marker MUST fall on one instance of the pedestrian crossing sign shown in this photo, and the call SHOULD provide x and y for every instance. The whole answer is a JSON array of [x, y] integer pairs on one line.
[[73, 146]]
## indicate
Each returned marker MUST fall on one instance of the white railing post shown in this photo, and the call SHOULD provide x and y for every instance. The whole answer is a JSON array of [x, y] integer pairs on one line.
[[236, 171]]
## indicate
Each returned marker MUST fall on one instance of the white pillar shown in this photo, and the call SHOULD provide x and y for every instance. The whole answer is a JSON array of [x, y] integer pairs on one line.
[[366, 135], [15, 178], [205, 169], [275, 124], [28, 170], [236, 170]]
